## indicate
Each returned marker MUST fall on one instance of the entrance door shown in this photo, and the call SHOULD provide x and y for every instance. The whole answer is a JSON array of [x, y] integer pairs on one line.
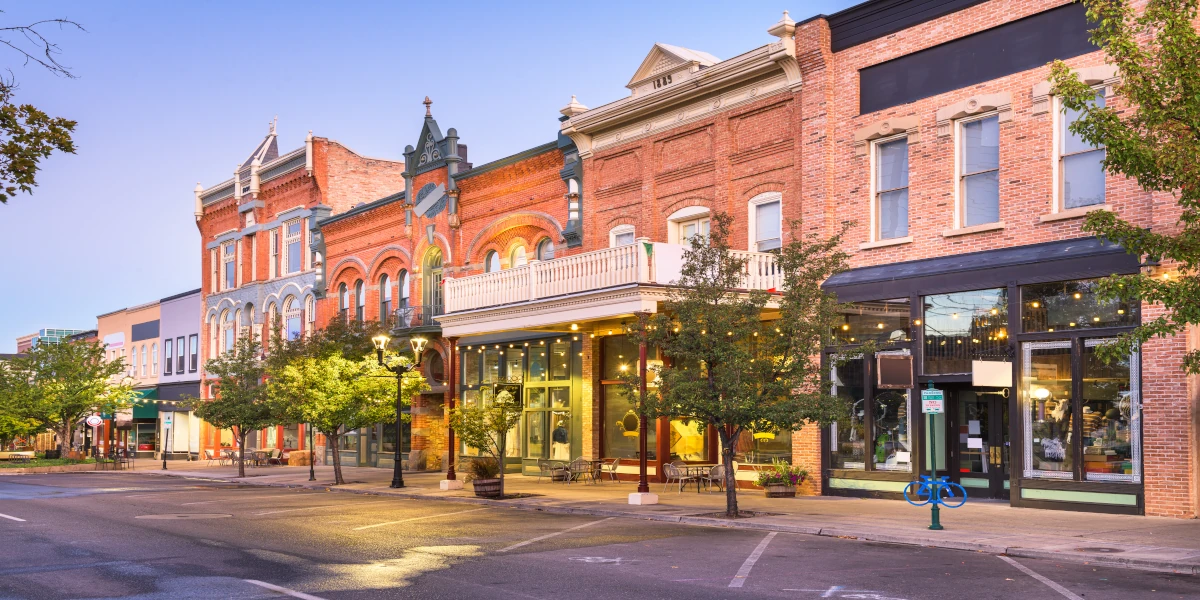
[[979, 441]]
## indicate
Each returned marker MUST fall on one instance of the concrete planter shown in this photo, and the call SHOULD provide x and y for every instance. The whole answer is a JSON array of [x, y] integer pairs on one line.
[[54, 469]]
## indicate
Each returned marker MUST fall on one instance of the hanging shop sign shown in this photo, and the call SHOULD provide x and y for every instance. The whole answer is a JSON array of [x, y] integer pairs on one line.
[[895, 371], [94, 421]]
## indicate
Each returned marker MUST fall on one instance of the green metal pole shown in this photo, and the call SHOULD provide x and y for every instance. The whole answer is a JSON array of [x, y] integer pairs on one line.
[[935, 490]]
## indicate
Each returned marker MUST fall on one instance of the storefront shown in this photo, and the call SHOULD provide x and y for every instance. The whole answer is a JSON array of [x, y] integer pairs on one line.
[[545, 372], [143, 435], [1033, 414]]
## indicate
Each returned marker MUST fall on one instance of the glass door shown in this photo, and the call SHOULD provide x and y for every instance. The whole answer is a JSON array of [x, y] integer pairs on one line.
[[979, 439]]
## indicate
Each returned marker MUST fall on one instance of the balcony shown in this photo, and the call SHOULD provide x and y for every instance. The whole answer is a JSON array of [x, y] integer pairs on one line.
[[412, 319], [600, 284]]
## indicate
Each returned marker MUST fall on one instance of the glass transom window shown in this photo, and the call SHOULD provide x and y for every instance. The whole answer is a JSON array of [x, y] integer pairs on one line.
[[964, 326], [1071, 305]]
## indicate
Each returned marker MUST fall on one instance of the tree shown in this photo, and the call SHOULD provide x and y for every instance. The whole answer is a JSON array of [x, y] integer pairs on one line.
[[730, 366], [1156, 143], [336, 395], [27, 134], [486, 426], [241, 402], [54, 386]]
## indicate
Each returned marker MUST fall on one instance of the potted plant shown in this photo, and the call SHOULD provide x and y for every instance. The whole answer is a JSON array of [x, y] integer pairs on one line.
[[484, 476], [781, 479], [486, 426]]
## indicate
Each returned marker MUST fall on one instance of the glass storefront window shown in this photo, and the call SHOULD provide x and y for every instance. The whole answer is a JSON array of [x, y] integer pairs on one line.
[[471, 360], [491, 365], [560, 361], [147, 438], [470, 398], [764, 447], [537, 363], [535, 440], [847, 437], [387, 444], [962, 327], [1111, 419], [514, 360], [272, 438], [689, 440], [291, 437], [882, 321], [621, 427], [890, 427], [1046, 390], [535, 398], [560, 397], [560, 435], [348, 442], [1071, 305]]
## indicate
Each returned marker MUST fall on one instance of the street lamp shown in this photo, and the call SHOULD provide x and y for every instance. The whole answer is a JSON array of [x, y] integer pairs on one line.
[[418, 344]]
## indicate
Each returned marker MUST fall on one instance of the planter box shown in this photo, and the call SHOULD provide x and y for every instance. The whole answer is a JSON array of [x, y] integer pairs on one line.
[[486, 488], [781, 491]]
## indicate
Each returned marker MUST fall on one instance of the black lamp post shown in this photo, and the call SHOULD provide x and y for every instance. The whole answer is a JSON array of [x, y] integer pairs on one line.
[[418, 344], [312, 454]]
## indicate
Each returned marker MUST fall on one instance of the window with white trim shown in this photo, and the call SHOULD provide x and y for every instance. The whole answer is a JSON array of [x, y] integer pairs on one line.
[[517, 258], [133, 363], [291, 241], [228, 259], [891, 187], [403, 288], [692, 228], [194, 349], [179, 352], [766, 222], [360, 301], [145, 360], [168, 356], [979, 170], [213, 334], [310, 316], [273, 266], [491, 262], [227, 331], [621, 235], [1081, 165], [154, 358], [385, 297], [545, 249], [291, 315], [343, 302], [214, 267]]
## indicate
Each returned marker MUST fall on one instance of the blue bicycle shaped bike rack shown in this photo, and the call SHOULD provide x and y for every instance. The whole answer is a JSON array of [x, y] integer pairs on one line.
[[939, 492]]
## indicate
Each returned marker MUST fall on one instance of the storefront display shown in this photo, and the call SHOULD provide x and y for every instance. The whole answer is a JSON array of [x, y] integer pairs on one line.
[[963, 326]]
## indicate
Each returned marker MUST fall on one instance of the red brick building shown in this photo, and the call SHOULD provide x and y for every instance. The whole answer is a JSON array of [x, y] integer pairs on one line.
[[256, 231]]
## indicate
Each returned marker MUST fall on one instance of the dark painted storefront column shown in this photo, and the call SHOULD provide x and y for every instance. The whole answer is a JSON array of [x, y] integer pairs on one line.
[[643, 483], [453, 393]]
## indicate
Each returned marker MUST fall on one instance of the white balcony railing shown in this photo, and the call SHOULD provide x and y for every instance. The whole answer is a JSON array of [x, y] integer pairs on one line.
[[642, 262]]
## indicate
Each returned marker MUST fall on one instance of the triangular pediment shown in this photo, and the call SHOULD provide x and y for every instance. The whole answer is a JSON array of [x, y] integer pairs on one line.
[[665, 58], [430, 147]]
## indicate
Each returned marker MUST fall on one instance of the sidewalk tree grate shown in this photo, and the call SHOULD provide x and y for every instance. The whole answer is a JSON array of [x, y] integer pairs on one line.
[[184, 516]]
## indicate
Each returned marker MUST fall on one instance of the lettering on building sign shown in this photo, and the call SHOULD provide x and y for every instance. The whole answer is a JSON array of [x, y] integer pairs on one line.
[[663, 81]]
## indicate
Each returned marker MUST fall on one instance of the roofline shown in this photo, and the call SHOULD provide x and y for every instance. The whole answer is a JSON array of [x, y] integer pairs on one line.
[[362, 208], [182, 295], [507, 160]]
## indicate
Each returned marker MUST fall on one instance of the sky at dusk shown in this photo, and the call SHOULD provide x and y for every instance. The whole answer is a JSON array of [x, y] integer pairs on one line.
[[169, 94]]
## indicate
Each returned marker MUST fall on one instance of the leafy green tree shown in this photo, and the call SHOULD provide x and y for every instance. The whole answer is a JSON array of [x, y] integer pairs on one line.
[[241, 402], [12, 427], [730, 365], [486, 427], [27, 134], [53, 386], [1151, 134], [337, 395]]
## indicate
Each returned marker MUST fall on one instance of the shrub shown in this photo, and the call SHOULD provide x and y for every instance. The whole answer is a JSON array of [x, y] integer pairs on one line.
[[781, 473], [483, 468]]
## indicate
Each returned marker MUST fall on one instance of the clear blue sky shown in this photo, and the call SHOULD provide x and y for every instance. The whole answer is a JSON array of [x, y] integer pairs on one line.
[[171, 93]]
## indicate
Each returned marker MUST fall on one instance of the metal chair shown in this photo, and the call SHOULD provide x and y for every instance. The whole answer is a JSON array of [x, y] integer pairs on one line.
[[544, 470], [715, 475], [610, 469], [674, 473], [579, 470]]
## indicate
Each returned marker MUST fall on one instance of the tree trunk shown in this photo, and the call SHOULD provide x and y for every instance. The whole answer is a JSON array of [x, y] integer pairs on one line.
[[337, 458], [501, 461], [241, 452], [64, 440], [727, 442]]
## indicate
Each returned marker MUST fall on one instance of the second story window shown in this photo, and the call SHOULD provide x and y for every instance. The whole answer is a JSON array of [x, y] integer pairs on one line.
[[545, 249], [343, 302], [766, 222], [292, 242], [194, 351], [168, 355], [1081, 164], [273, 265], [291, 316], [385, 297], [360, 301], [402, 287], [145, 360], [154, 358], [517, 258], [179, 353], [691, 228], [891, 188], [979, 177], [229, 260], [133, 363], [621, 235], [491, 262]]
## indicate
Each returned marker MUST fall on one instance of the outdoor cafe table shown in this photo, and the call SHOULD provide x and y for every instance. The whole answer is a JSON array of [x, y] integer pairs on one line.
[[698, 470]]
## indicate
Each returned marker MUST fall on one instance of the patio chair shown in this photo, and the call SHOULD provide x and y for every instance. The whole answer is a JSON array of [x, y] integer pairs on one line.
[[548, 468], [715, 475], [679, 476], [208, 455], [610, 469], [579, 470]]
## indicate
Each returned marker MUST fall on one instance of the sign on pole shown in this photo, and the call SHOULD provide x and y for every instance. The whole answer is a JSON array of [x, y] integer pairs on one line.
[[167, 418], [94, 421], [933, 402]]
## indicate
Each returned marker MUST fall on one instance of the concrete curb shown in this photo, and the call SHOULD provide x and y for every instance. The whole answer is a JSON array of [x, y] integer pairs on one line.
[[928, 541]]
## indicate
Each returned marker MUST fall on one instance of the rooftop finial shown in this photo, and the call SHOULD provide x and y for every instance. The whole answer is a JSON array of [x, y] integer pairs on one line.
[[573, 108], [428, 103], [272, 124], [784, 28]]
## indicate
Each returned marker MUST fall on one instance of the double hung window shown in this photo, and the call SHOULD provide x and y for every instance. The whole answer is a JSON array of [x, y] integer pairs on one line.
[[168, 356], [229, 260], [385, 298], [179, 353], [545, 249], [979, 175], [273, 268], [491, 262], [621, 235], [292, 242], [692, 228], [360, 301], [891, 188], [768, 221], [194, 350], [1081, 164]]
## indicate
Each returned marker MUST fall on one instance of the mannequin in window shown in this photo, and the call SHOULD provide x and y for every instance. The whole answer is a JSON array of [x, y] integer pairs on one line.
[[560, 443]]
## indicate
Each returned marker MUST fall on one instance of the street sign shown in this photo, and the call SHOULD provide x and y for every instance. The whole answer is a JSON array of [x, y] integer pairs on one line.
[[94, 421], [933, 402]]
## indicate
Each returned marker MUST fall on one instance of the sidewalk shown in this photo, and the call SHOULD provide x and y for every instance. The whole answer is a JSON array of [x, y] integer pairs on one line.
[[986, 526]]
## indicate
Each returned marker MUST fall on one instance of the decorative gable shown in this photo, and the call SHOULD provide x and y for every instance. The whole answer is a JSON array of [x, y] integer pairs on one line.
[[668, 65]]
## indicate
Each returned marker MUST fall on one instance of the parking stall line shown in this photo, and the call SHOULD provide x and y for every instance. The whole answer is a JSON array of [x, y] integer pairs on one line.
[[286, 510], [11, 518], [283, 590], [744, 572], [238, 498], [550, 535], [1030, 572], [461, 512]]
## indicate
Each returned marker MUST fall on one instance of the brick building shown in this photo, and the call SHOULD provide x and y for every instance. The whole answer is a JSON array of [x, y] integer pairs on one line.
[[256, 231]]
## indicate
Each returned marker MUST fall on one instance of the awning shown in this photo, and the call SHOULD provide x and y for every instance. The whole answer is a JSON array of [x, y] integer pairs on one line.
[[169, 395], [143, 405]]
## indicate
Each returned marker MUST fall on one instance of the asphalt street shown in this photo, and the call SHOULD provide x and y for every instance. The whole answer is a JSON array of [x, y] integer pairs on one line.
[[136, 536]]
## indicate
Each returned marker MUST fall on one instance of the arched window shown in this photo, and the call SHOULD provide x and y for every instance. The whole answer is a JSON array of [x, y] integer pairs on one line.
[[310, 316], [385, 298], [144, 360], [247, 324], [360, 301], [431, 280], [133, 362], [154, 359], [686, 223], [517, 258], [621, 235], [227, 331], [271, 318], [343, 303], [765, 222], [212, 336], [491, 262], [545, 249], [403, 286], [238, 328], [291, 317]]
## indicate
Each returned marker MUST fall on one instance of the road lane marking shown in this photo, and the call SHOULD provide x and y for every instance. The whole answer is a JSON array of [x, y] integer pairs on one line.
[[416, 519], [550, 535], [744, 572], [275, 512], [235, 499], [1030, 572], [283, 590], [11, 518]]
